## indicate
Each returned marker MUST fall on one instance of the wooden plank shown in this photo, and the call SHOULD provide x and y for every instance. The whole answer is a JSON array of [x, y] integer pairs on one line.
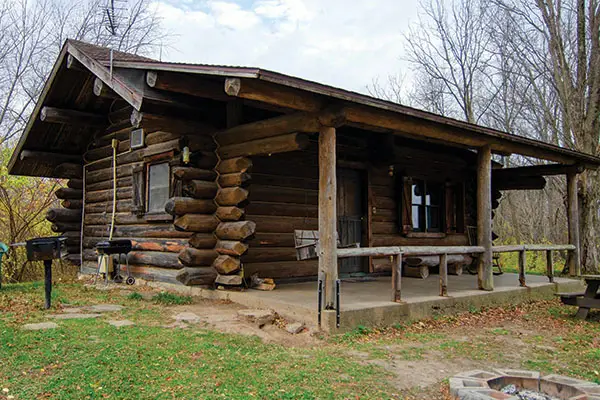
[[397, 279], [72, 117], [272, 145], [485, 277], [522, 267], [443, 275], [574, 259], [549, 266], [536, 170], [237, 164], [328, 266]]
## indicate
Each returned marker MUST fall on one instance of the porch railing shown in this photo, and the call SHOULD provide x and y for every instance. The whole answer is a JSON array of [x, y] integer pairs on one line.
[[397, 252], [523, 248]]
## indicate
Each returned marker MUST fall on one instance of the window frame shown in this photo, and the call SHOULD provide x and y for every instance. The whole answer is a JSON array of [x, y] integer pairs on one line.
[[424, 209], [157, 214]]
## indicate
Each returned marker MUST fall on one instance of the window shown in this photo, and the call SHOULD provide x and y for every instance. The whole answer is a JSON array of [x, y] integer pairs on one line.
[[426, 206], [158, 187]]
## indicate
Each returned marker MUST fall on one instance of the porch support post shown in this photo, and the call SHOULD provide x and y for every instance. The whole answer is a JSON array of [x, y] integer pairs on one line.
[[485, 278], [328, 266], [573, 222]]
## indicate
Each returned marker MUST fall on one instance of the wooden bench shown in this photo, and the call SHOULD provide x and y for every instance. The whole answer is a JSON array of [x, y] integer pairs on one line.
[[584, 300]]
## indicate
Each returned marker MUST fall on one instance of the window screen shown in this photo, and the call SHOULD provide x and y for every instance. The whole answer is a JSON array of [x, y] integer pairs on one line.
[[158, 187]]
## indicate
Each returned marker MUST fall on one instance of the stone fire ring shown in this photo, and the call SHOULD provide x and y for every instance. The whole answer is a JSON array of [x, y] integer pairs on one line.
[[486, 385]]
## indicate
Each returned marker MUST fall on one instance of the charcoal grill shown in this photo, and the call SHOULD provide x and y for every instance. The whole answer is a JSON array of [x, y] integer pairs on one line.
[[47, 249], [118, 247]]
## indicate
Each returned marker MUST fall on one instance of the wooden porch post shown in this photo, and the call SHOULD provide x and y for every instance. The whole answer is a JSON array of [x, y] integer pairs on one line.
[[485, 278], [573, 222], [328, 266]]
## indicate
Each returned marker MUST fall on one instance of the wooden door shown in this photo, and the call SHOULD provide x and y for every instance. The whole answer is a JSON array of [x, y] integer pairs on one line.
[[351, 213]]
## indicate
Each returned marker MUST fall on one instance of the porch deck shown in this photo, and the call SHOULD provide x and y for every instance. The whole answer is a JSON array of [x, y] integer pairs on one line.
[[367, 301]]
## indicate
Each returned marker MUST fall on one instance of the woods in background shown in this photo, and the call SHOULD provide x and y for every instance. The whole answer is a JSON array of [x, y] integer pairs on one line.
[[528, 67], [31, 36]]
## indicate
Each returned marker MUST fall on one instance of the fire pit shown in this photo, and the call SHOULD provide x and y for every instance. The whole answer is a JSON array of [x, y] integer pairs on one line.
[[510, 384]]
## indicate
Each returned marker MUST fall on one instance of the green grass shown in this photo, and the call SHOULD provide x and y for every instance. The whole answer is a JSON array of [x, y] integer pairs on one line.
[[169, 299], [89, 359], [135, 296]]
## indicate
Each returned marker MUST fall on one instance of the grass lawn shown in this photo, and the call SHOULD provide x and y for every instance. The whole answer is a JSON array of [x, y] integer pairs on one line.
[[90, 359]]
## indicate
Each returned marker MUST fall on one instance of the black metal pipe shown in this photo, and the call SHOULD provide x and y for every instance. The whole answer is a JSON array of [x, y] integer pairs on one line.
[[320, 299], [337, 303], [48, 282]]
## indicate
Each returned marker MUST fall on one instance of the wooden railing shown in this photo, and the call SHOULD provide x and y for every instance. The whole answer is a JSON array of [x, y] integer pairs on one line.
[[398, 251], [523, 248]]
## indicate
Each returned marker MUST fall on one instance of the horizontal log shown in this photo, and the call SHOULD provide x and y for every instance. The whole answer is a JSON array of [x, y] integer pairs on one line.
[[200, 189], [155, 258], [232, 196], [407, 251], [197, 276], [283, 195], [262, 239], [190, 173], [385, 228], [105, 151], [240, 230], [107, 195], [231, 247], [106, 174], [230, 213], [297, 122], [237, 164], [76, 234], [141, 244], [161, 137], [276, 178], [185, 83], [434, 261], [69, 170], [65, 226], [196, 223], [106, 206], [74, 259], [187, 205], [203, 241], [535, 170], [532, 247], [226, 265], [191, 257], [282, 269], [121, 218], [400, 240], [277, 224], [138, 231], [72, 117], [63, 215], [282, 209], [68, 193], [234, 179], [527, 183], [204, 159], [229, 280], [268, 254], [103, 185], [156, 122], [274, 145], [164, 147], [75, 183]]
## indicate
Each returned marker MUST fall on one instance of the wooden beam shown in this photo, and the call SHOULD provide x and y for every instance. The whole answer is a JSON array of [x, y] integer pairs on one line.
[[516, 183], [272, 145], [549, 266], [443, 275], [68, 170], [397, 279], [53, 158], [253, 89], [178, 82], [485, 277], [72, 117], [535, 171], [522, 267], [75, 65], [102, 90], [574, 258], [297, 122], [328, 266]]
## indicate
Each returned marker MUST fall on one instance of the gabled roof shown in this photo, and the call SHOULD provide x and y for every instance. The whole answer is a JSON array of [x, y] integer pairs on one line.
[[304, 95]]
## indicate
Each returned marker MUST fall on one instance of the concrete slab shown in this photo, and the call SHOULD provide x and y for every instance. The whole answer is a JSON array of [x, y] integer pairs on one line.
[[121, 323], [104, 308], [189, 317], [40, 326]]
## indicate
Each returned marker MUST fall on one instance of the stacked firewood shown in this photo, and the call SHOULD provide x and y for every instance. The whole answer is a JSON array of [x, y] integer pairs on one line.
[[232, 232], [66, 220]]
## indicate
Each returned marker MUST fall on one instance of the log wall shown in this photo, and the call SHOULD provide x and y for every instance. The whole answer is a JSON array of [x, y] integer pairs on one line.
[[283, 197], [66, 219]]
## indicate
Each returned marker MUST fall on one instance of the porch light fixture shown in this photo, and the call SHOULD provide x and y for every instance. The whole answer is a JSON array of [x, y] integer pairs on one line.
[[185, 155]]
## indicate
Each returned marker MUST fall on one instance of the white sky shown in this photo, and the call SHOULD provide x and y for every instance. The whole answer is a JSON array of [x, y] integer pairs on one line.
[[345, 43]]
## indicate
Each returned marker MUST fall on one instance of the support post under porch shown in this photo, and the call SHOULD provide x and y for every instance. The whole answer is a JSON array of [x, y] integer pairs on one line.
[[328, 265], [574, 258], [485, 277]]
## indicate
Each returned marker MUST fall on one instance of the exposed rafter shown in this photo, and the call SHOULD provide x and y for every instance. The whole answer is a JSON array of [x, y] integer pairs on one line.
[[72, 117]]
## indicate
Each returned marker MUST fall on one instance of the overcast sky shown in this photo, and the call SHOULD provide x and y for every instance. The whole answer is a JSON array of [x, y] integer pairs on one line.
[[344, 43]]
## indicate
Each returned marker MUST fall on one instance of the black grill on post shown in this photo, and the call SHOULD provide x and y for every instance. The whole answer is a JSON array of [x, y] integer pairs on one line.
[[47, 249]]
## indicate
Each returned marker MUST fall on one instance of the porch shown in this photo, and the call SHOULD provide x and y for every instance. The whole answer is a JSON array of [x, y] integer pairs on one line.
[[366, 301]]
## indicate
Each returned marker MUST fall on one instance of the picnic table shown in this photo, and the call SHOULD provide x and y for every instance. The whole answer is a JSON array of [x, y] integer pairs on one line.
[[585, 300]]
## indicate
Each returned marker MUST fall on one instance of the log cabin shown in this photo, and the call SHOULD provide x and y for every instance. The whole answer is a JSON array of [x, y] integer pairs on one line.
[[214, 172]]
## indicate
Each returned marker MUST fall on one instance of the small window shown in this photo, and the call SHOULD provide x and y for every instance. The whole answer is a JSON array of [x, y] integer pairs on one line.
[[158, 187], [426, 200]]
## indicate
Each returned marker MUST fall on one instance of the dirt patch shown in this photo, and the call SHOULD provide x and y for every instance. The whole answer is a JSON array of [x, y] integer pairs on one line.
[[223, 316]]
